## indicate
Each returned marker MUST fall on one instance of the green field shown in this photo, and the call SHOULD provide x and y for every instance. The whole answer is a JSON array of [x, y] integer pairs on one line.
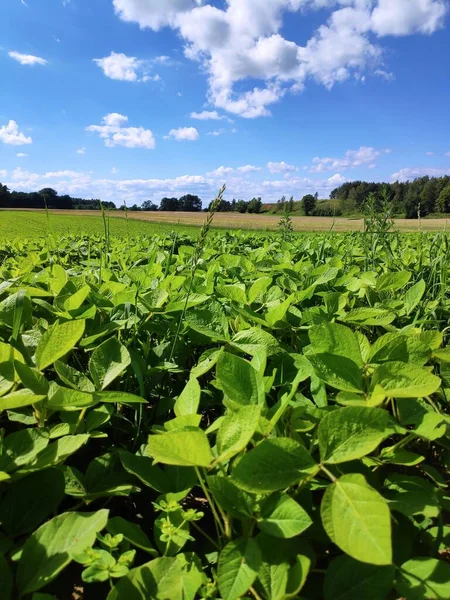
[[223, 416], [30, 224]]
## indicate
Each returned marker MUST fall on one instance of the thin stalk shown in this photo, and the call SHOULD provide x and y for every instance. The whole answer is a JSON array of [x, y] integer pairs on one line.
[[210, 500]]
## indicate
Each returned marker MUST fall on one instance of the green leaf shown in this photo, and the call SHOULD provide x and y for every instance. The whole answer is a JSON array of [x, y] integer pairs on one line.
[[282, 517], [414, 295], [350, 433], [392, 281], [192, 574], [48, 550], [68, 399], [233, 500], [338, 372], [277, 313], [57, 452], [57, 342], [132, 533], [349, 579], [424, 579], [238, 567], [31, 500], [19, 399], [236, 430], [370, 316], [188, 401], [31, 379], [108, 361], [412, 496], [273, 465], [20, 448], [118, 397], [188, 448], [142, 468], [239, 380], [73, 378], [253, 340], [401, 380], [258, 287], [332, 338], [159, 579], [403, 348], [235, 293], [357, 519]]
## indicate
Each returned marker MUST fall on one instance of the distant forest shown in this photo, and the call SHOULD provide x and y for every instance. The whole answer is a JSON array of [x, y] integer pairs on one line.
[[423, 196], [426, 195]]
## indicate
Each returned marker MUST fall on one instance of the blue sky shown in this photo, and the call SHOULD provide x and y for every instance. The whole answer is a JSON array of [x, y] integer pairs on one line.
[[138, 99]]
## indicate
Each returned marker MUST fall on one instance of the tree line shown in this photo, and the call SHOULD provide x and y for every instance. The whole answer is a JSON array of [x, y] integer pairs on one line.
[[47, 197], [423, 196]]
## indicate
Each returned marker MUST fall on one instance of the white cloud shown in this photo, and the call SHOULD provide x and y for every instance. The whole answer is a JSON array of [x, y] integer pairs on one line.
[[114, 132], [280, 167], [405, 17], [21, 155], [414, 172], [81, 151], [429, 153], [114, 171], [248, 169], [10, 134], [220, 172], [27, 59], [207, 115], [384, 74], [119, 66], [184, 134], [366, 155], [242, 42], [3, 173], [217, 132]]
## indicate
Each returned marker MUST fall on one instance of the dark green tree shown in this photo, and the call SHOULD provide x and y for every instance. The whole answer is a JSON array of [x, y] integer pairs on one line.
[[309, 203], [291, 205], [190, 203], [169, 204], [255, 206], [443, 202], [148, 205]]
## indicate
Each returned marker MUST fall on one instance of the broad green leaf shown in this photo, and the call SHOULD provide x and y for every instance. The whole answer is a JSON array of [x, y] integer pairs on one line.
[[357, 519], [401, 380], [48, 550], [393, 281], [412, 496], [188, 401], [31, 379], [76, 300], [211, 322], [349, 579], [20, 448], [403, 348], [258, 287], [73, 378], [282, 517], [57, 452], [239, 380], [57, 342], [238, 567], [277, 313], [232, 499], [118, 398], [236, 430], [350, 433], [235, 293], [188, 448], [414, 295], [273, 465], [253, 340], [370, 316], [338, 372], [192, 574], [142, 468], [19, 399], [69, 399], [31, 500], [332, 338], [132, 533], [424, 578], [108, 361], [159, 579]]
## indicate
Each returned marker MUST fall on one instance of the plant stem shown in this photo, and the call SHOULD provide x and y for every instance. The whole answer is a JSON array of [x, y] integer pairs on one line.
[[327, 472], [211, 502]]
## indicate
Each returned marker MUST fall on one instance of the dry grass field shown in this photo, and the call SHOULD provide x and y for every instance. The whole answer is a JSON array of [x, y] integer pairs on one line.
[[256, 222]]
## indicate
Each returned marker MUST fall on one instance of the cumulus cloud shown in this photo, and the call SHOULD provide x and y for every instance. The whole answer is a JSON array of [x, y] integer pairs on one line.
[[280, 167], [81, 151], [207, 115], [242, 41], [216, 132], [119, 66], [27, 59], [115, 133], [410, 173], [248, 169], [220, 172], [365, 155], [3, 173], [183, 134], [21, 155], [10, 134]]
